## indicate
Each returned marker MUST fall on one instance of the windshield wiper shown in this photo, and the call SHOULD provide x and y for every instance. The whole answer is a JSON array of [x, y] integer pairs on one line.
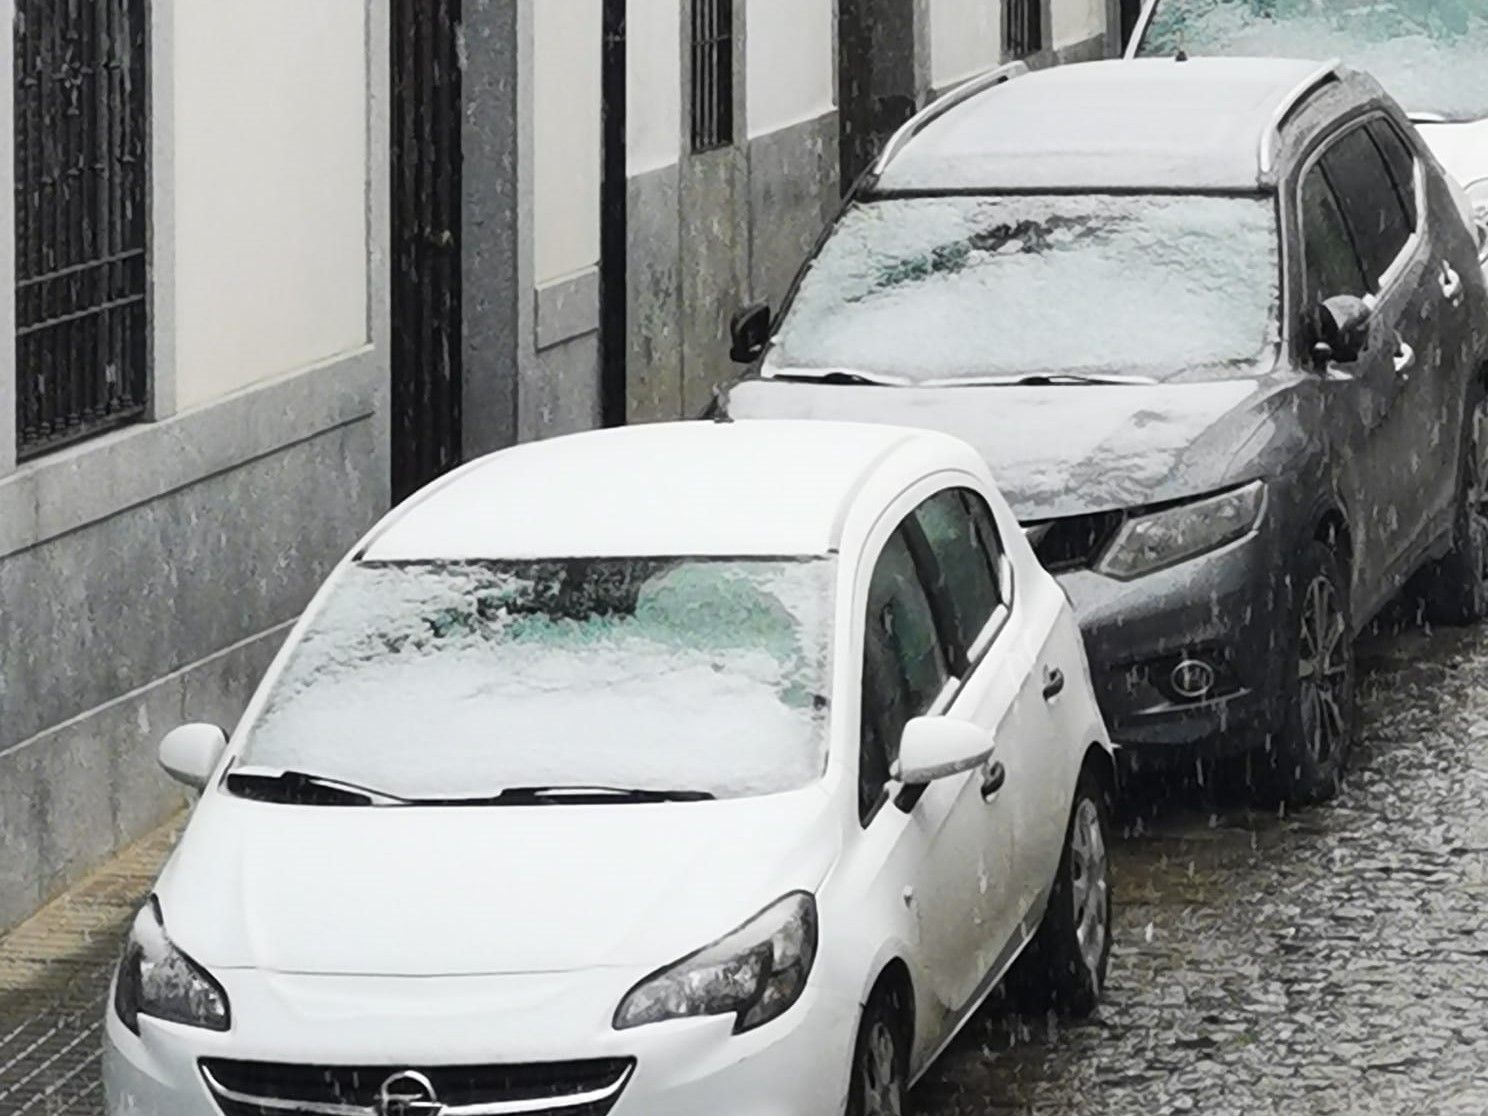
[[300, 788], [574, 795], [1038, 379], [838, 376]]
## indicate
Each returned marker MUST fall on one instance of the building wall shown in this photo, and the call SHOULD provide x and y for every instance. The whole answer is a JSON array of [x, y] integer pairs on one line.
[[965, 39], [147, 575]]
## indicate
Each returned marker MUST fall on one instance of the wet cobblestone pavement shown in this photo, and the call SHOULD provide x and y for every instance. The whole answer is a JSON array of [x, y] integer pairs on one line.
[[1333, 962]]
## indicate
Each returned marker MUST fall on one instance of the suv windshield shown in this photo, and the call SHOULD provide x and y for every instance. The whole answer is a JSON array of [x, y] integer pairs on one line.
[[1432, 55], [454, 681], [946, 288]]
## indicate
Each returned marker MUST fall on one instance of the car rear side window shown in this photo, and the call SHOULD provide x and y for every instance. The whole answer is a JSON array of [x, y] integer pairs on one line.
[[1332, 264], [904, 665], [963, 556], [1369, 200], [1401, 162]]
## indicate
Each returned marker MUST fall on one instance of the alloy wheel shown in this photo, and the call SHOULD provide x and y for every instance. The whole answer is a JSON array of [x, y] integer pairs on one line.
[[883, 1090], [1089, 886], [1324, 670], [1477, 493]]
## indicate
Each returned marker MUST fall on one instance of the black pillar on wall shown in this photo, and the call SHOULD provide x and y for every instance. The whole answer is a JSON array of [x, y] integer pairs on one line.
[[613, 223]]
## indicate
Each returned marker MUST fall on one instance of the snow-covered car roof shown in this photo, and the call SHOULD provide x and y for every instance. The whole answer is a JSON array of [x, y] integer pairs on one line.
[[1197, 124], [769, 488]]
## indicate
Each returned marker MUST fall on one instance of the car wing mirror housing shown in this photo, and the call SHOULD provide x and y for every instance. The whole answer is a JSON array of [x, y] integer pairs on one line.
[[1342, 334], [935, 748], [191, 753], [750, 329]]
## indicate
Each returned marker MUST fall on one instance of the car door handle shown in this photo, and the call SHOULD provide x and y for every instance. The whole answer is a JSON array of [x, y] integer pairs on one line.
[[1405, 356], [1451, 283], [993, 781], [1053, 683]]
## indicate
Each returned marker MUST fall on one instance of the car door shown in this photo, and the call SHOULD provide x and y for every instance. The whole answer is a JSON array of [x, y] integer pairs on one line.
[[1394, 378]]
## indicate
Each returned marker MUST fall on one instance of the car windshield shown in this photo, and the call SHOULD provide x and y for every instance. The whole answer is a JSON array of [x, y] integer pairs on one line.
[[949, 288], [450, 681], [1432, 55]]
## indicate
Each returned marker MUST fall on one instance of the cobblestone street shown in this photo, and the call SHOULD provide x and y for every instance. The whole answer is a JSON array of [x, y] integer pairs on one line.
[[1335, 962]]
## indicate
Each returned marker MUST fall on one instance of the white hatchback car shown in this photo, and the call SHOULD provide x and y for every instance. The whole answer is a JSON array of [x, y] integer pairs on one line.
[[678, 769]]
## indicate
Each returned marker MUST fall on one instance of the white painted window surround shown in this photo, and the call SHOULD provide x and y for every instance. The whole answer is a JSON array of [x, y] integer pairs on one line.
[[1078, 20], [791, 47], [965, 38], [567, 46], [268, 198], [653, 116]]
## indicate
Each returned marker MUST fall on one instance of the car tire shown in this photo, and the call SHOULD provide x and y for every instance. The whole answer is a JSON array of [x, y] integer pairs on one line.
[[1064, 967], [1304, 756], [1454, 589], [880, 1065]]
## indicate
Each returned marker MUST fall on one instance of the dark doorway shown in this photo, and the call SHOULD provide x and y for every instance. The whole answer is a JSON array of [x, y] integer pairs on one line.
[[426, 202], [614, 334], [875, 78]]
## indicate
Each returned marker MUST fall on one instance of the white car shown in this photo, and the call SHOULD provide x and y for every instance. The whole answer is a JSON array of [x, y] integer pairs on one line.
[[1431, 55], [567, 795]]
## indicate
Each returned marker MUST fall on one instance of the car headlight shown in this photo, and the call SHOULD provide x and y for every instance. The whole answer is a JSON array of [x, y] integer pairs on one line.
[[1165, 538], [756, 973], [157, 979], [1477, 196]]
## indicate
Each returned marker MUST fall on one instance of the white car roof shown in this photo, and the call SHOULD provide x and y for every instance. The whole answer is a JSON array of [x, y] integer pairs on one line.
[[765, 488], [1140, 124]]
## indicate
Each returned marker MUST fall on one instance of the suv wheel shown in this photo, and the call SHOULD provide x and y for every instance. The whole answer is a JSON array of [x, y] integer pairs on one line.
[[1455, 589], [1304, 756]]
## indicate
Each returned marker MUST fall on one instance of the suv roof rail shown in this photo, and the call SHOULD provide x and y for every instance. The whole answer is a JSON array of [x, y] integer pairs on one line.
[[1284, 107], [978, 83]]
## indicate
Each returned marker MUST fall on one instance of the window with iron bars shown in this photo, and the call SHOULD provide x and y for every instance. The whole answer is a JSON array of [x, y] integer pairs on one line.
[[81, 188], [712, 74], [1023, 27]]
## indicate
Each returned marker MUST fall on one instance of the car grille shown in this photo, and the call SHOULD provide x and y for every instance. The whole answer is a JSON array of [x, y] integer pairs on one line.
[[1073, 543], [588, 1088]]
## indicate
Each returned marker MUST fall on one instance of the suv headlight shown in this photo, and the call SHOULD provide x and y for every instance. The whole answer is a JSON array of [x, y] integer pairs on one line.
[[157, 979], [1165, 538], [1477, 196], [757, 972]]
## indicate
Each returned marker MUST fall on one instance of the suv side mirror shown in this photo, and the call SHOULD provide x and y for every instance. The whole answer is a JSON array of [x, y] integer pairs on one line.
[[191, 753], [938, 747], [750, 329], [1343, 323]]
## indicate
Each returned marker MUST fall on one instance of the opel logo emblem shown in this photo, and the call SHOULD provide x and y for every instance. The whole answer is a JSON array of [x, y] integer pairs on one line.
[[408, 1093]]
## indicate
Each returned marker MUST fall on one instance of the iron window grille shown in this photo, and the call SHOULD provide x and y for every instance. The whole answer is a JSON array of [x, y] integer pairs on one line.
[[1023, 27], [712, 74], [81, 184]]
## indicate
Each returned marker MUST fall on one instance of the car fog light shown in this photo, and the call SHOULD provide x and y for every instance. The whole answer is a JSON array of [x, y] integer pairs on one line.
[[1193, 679]]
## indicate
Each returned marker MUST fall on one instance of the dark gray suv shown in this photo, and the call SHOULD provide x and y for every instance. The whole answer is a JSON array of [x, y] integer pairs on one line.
[[1219, 326]]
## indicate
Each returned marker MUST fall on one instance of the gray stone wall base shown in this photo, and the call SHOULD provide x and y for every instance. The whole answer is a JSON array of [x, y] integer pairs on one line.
[[76, 794]]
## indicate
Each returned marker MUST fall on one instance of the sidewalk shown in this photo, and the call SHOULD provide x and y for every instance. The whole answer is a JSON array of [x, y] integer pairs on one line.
[[54, 975]]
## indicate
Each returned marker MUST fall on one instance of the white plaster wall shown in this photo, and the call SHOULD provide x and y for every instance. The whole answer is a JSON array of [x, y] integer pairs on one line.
[[1078, 20], [567, 41], [965, 38], [789, 75], [653, 88], [270, 189]]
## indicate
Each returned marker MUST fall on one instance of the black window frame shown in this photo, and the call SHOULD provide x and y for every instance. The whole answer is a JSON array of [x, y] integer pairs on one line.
[[1023, 30], [714, 61]]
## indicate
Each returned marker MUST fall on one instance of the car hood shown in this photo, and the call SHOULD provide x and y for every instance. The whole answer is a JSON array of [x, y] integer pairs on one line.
[[1461, 148], [487, 891], [1055, 451]]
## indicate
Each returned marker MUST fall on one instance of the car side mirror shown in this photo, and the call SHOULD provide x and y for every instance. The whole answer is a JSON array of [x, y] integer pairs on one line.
[[1343, 324], [935, 748], [750, 329], [191, 753]]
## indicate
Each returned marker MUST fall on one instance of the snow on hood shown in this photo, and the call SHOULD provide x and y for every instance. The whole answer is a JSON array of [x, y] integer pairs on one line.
[[483, 891], [1054, 451], [1462, 148]]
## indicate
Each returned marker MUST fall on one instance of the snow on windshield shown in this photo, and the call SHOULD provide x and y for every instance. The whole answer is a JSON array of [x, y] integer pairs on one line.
[[459, 681], [1431, 55], [955, 287]]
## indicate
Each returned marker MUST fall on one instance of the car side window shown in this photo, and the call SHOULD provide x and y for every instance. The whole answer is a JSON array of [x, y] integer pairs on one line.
[[1370, 203], [1332, 264], [1401, 162], [965, 571], [904, 665]]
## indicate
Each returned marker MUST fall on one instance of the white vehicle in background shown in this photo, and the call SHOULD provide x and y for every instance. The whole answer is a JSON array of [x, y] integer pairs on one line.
[[1430, 55], [695, 768]]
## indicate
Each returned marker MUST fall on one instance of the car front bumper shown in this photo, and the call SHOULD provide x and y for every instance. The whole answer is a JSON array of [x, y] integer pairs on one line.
[[1226, 609], [796, 1065]]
